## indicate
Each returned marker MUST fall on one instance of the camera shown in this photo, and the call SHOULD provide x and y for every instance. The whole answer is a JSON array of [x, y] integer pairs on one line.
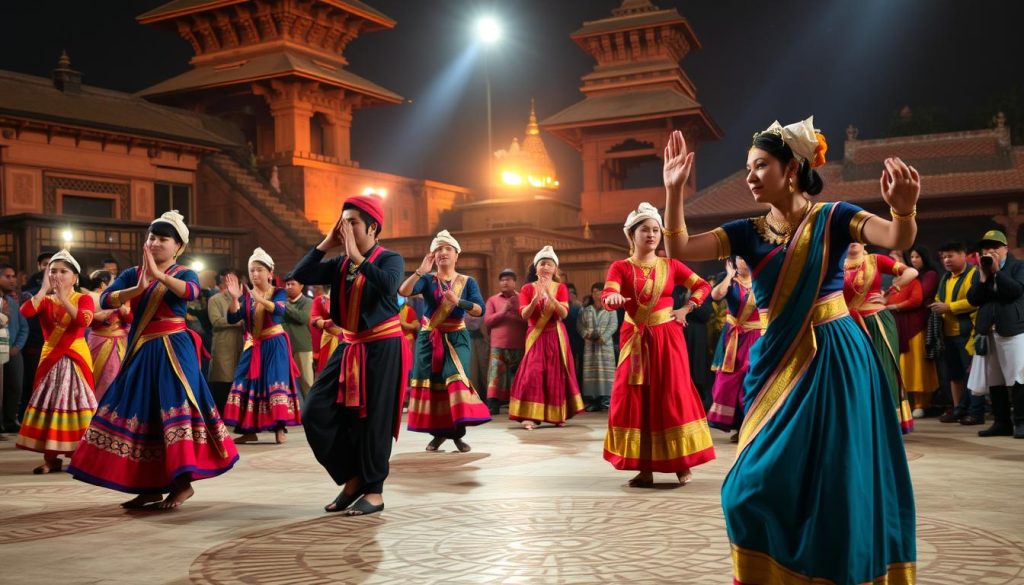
[[987, 262]]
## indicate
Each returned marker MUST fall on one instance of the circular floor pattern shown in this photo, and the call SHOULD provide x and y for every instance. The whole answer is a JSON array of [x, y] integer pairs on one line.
[[565, 540]]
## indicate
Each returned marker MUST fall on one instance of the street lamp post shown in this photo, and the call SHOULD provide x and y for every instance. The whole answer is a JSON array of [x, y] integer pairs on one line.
[[488, 32]]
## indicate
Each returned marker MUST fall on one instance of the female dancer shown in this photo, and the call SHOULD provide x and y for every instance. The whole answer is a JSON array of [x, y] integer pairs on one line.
[[62, 401], [656, 421], [820, 490], [330, 338], [909, 307], [157, 428], [862, 287], [744, 325], [443, 401], [108, 337], [264, 395], [545, 387]]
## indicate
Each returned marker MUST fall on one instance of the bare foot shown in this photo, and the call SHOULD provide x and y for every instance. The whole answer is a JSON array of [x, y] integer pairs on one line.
[[643, 479], [280, 436], [246, 438], [176, 498], [528, 425], [684, 477], [141, 501]]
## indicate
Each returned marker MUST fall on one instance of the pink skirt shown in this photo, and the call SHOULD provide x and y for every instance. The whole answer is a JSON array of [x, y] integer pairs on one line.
[[107, 354], [545, 387]]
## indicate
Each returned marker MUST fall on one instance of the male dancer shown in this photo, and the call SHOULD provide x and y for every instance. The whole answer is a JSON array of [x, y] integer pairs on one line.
[[354, 406]]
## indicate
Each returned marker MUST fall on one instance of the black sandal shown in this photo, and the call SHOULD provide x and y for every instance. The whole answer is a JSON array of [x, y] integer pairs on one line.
[[435, 443], [462, 446], [363, 508], [343, 501]]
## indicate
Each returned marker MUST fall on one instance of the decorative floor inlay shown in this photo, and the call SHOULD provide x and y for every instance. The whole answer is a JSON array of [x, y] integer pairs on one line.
[[565, 540]]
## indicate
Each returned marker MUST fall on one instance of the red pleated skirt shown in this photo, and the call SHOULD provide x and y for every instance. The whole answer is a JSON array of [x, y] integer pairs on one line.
[[660, 425]]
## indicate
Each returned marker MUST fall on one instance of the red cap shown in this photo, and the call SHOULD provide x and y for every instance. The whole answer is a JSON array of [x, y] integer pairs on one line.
[[369, 204]]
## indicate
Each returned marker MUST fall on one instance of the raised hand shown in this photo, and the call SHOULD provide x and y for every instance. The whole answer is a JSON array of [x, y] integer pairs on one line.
[[257, 294], [234, 287], [149, 265], [333, 239], [678, 161], [901, 185], [730, 269], [427, 264], [58, 287]]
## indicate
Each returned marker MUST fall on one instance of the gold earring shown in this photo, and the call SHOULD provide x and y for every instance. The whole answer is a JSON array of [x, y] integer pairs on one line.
[[792, 187]]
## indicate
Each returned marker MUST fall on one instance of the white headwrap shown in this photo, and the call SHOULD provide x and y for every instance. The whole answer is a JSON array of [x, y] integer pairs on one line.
[[177, 220], [443, 237], [801, 138], [546, 253], [643, 212], [260, 255], [65, 256]]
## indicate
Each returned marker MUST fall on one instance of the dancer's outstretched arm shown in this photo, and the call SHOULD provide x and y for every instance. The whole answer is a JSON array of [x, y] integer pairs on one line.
[[901, 187], [678, 243]]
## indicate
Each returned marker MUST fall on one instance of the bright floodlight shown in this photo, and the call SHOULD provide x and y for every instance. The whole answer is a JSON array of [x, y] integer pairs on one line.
[[66, 235], [198, 265], [488, 30]]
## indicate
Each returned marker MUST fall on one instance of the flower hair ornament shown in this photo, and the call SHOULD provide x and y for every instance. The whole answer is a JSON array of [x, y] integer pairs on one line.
[[807, 143]]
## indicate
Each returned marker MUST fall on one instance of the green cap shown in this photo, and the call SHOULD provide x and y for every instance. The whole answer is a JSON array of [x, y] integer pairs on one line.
[[994, 236]]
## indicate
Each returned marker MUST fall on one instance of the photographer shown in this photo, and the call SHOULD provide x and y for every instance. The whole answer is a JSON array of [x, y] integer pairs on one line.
[[999, 294]]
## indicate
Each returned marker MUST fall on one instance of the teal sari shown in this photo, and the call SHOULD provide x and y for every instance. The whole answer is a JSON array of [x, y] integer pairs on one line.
[[820, 491]]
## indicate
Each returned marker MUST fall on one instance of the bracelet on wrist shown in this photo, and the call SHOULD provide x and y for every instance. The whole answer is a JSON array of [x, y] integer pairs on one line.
[[897, 216]]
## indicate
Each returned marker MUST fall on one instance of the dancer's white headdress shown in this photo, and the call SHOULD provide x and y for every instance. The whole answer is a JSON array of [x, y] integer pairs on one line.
[[260, 255], [65, 256], [642, 213], [177, 221], [805, 142], [442, 238], [546, 253]]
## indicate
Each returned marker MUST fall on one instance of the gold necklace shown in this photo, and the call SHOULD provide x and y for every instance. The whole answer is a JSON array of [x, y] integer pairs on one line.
[[644, 268], [778, 231]]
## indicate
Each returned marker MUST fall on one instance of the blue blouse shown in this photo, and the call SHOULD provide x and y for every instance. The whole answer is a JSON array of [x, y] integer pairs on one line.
[[742, 239], [430, 287]]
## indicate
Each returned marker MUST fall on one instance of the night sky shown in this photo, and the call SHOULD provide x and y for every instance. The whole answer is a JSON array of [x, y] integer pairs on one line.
[[845, 61]]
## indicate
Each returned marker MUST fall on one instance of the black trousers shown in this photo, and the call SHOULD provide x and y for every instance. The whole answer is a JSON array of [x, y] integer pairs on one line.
[[345, 444]]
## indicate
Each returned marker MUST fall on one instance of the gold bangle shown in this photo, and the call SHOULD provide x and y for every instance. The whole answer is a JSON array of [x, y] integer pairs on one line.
[[896, 216], [674, 233]]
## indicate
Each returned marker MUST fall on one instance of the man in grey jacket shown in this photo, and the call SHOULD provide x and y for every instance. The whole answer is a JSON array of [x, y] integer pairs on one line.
[[296, 325], [227, 343]]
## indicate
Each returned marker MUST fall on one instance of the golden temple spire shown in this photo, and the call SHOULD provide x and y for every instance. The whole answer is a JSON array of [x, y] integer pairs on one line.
[[527, 163], [532, 129]]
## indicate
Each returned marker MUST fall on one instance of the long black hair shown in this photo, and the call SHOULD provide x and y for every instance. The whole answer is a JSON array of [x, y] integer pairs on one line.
[[926, 259], [807, 178]]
